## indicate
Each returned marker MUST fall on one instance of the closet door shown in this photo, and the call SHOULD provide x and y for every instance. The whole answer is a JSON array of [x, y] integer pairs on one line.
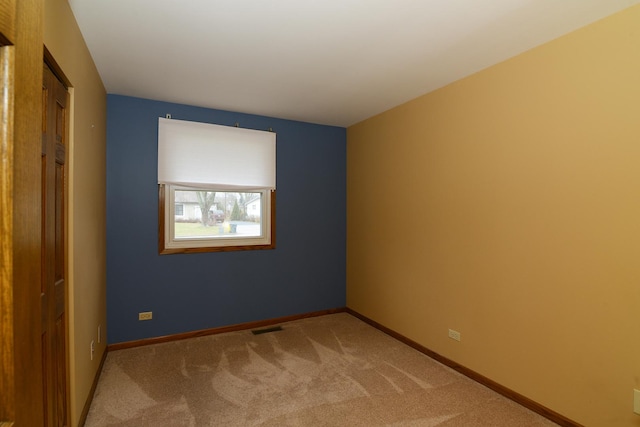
[[53, 286]]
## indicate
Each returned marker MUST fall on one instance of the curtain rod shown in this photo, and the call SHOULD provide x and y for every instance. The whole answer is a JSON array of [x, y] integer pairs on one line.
[[236, 124]]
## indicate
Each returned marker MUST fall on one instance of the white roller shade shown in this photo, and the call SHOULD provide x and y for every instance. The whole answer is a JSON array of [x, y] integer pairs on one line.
[[201, 154]]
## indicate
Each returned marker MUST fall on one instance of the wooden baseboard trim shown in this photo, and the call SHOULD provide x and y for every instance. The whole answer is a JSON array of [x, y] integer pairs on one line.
[[223, 329], [87, 404], [498, 388]]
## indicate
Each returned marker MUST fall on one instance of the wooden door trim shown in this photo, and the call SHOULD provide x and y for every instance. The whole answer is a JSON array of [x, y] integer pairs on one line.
[[7, 357], [21, 25], [7, 22], [50, 61], [7, 361]]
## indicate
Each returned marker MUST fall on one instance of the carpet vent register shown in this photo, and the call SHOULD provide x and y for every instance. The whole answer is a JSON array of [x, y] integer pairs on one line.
[[266, 330]]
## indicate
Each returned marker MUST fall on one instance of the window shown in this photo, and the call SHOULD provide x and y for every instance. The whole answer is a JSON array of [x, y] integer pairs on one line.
[[216, 187]]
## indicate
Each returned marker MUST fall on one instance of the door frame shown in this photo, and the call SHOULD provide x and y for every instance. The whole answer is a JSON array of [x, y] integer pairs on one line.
[[21, 38]]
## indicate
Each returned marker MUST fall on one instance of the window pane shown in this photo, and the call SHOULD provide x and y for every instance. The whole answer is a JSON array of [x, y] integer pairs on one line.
[[217, 214]]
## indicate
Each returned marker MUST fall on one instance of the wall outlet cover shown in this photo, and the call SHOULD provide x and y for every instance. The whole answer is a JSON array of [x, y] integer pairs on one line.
[[145, 315], [455, 335]]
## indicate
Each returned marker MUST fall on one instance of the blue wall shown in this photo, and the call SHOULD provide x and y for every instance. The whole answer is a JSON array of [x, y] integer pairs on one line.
[[306, 272]]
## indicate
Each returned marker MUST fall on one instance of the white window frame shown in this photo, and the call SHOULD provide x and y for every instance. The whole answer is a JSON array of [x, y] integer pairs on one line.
[[168, 244]]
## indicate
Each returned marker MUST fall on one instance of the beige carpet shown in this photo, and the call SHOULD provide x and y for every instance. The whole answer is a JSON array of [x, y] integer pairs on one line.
[[332, 370]]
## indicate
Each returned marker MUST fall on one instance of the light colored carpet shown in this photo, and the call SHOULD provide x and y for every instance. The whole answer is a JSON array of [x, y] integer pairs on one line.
[[332, 370]]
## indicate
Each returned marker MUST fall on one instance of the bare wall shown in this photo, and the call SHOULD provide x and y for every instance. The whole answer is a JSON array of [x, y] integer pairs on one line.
[[506, 206], [87, 198]]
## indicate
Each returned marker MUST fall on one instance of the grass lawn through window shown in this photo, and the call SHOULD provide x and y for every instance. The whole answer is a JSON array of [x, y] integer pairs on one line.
[[195, 229]]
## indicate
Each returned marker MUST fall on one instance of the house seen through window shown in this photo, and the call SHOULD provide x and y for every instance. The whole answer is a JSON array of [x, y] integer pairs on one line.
[[228, 214]]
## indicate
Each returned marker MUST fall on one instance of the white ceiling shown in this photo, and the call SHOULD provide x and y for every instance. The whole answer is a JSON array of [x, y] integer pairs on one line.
[[333, 62]]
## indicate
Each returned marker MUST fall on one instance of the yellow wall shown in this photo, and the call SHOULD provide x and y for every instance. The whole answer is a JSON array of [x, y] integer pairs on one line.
[[506, 206], [87, 198]]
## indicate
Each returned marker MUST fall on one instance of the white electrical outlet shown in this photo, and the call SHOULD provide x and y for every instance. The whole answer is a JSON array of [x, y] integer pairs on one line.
[[145, 315], [455, 335], [93, 348], [636, 401]]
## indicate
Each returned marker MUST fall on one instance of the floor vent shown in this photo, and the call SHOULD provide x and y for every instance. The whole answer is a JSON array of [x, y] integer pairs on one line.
[[266, 330]]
